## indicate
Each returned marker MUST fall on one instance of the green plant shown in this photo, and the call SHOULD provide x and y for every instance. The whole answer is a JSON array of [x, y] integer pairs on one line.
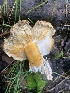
[[4, 7], [35, 81], [15, 78], [37, 6], [31, 84]]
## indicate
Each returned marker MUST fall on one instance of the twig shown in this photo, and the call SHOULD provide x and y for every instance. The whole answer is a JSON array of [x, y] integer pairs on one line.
[[6, 67]]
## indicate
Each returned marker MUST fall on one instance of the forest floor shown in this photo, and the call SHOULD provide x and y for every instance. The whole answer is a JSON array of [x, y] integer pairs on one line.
[[59, 59]]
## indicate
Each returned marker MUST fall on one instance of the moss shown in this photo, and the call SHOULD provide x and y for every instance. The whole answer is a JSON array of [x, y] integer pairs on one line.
[[35, 82], [40, 82], [31, 84]]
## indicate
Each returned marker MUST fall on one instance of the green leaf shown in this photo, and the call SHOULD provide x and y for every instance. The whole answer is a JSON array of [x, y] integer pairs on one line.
[[40, 82], [31, 84], [35, 82]]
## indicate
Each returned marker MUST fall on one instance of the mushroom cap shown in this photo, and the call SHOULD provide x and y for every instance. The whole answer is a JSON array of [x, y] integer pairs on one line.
[[22, 33], [19, 34], [43, 32]]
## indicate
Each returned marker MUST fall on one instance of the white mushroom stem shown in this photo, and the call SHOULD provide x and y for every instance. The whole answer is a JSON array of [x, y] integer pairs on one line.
[[43, 69], [37, 63]]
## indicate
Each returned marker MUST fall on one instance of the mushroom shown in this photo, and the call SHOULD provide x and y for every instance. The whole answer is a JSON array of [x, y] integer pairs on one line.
[[30, 43]]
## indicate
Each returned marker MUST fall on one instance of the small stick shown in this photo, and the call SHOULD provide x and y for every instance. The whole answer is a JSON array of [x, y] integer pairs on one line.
[[6, 67]]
